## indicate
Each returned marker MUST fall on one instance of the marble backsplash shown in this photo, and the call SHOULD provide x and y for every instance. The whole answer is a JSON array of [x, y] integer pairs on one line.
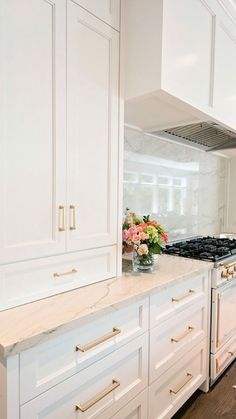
[[184, 188]]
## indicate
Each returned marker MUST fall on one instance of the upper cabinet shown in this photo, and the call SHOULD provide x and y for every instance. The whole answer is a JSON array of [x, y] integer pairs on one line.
[[92, 129], [59, 127], [32, 128], [106, 10], [180, 62]]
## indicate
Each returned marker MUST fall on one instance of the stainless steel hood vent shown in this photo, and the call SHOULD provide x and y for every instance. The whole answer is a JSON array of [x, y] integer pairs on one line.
[[207, 136]]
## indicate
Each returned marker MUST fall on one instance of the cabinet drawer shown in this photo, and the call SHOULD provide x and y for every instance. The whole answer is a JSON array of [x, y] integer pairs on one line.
[[100, 390], [106, 10], [136, 409], [173, 338], [177, 297], [172, 389], [223, 358], [51, 362], [23, 282]]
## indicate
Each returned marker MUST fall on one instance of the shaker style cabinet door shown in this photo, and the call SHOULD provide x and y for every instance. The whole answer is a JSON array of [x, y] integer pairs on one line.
[[92, 129], [32, 128]]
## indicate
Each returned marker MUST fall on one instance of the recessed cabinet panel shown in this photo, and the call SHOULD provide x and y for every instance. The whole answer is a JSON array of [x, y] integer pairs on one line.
[[107, 10], [32, 128], [187, 43], [92, 121], [225, 70]]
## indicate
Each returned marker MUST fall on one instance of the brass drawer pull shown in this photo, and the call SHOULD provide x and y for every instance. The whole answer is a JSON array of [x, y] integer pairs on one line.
[[183, 335], [186, 381], [62, 218], [58, 274], [98, 397], [96, 342], [73, 225], [182, 297], [219, 367]]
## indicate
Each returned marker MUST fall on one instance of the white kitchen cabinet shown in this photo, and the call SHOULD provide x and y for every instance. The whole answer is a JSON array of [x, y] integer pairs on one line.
[[98, 391], [59, 135], [168, 393], [173, 338], [50, 363], [185, 53], [27, 281], [32, 128], [119, 366], [92, 121], [107, 10], [136, 409]]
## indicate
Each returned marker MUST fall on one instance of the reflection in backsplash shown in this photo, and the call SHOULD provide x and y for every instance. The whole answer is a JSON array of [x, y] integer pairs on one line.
[[184, 188]]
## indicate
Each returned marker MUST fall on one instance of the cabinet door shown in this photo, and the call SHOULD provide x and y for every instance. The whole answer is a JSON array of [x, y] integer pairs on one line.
[[92, 129], [32, 128]]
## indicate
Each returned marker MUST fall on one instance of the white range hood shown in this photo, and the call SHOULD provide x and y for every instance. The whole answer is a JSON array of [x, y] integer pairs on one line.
[[180, 68]]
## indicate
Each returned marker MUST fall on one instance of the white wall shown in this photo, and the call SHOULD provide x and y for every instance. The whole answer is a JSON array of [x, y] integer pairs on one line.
[[184, 188]]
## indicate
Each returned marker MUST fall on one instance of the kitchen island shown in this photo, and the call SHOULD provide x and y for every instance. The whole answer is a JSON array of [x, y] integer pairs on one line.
[[133, 334]]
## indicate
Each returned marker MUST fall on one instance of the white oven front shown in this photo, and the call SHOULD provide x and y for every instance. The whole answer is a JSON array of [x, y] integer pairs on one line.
[[223, 315]]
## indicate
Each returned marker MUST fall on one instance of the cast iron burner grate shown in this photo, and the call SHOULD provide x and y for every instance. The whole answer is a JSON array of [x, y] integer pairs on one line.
[[204, 248]]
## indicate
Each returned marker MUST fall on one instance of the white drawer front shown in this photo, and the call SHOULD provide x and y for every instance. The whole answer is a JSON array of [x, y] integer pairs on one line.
[[136, 409], [172, 389], [125, 369], [177, 297], [223, 358], [176, 336], [29, 281], [49, 363], [106, 10]]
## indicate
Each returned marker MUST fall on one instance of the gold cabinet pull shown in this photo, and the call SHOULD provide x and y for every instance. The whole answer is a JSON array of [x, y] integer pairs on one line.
[[181, 385], [58, 274], [62, 218], [84, 348], [219, 367], [98, 397], [183, 335], [73, 224], [182, 297]]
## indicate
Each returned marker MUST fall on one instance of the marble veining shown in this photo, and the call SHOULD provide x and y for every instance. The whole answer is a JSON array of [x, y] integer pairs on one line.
[[25, 326], [184, 188]]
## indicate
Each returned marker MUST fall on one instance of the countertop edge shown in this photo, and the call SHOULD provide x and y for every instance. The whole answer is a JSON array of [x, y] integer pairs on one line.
[[94, 312]]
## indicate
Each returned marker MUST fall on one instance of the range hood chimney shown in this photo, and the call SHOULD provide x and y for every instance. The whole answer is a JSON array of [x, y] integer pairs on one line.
[[207, 136]]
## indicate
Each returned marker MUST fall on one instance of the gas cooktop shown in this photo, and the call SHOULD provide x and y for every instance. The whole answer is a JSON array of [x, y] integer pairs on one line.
[[211, 249]]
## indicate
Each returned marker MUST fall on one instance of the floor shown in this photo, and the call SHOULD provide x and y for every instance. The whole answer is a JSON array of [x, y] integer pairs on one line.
[[220, 402]]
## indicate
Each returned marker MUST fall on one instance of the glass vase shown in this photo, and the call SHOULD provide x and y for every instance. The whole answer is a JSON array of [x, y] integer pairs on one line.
[[143, 263]]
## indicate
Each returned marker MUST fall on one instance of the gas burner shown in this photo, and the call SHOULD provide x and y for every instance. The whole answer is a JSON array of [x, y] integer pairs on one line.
[[204, 248]]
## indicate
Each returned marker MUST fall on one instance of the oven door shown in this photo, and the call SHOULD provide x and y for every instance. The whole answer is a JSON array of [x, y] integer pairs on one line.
[[223, 315]]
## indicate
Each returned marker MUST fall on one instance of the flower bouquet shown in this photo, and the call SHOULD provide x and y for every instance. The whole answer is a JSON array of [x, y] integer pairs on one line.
[[143, 237]]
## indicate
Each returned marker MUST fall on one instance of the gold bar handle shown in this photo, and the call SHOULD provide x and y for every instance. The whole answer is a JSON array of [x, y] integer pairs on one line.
[[219, 367], [58, 274], [98, 397], [85, 348], [73, 225], [182, 297], [62, 218], [183, 335], [183, 384]]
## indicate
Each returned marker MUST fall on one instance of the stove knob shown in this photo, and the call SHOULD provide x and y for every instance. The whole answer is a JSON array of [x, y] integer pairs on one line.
[[224, 274], [235, 268], [231, 271]]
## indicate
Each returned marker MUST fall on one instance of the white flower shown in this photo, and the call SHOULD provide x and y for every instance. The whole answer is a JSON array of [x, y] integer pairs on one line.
[[142, 250]]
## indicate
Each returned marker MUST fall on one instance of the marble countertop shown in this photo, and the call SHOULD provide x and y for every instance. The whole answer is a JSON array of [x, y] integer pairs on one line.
[[25, 326]]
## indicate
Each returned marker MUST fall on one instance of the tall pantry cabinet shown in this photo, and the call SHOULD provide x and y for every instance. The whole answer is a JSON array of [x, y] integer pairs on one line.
[[59, 146]]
